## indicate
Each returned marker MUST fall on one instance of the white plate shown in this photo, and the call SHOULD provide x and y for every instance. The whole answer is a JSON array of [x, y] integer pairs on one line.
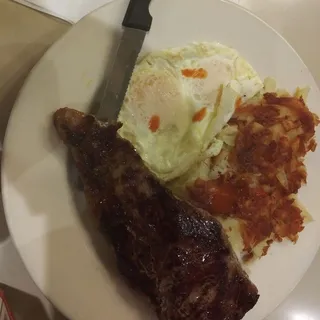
[[50, 234]]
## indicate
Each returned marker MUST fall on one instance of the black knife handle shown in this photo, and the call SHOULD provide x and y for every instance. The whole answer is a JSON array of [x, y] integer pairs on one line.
[[138, 15]]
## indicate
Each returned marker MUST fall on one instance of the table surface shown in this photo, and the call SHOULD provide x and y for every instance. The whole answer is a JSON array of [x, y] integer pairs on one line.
[[26, 34]]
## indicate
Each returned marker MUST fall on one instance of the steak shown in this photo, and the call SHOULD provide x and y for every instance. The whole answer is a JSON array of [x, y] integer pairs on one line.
[[174, 253]]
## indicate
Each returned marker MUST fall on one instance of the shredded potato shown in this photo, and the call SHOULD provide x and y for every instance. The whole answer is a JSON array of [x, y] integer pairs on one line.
[[262, 160]]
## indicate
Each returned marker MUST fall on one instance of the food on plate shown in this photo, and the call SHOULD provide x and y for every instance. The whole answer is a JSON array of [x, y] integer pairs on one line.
[[192, 113], [258, 173], [179, 99], [175, 253]]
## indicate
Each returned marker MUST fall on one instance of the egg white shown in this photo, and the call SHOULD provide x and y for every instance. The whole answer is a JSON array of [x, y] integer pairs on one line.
[[160, 88]]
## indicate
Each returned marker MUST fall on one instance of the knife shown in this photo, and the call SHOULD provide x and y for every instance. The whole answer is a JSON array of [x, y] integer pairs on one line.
[[136, 24]]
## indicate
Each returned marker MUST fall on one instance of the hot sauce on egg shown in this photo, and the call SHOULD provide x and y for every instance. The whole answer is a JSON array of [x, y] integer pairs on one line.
[[238, 102], [199, 115], [154, 123], [195, 73]]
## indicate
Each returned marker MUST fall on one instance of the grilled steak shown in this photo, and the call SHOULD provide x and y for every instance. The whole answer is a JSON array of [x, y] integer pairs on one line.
[[176, 254]]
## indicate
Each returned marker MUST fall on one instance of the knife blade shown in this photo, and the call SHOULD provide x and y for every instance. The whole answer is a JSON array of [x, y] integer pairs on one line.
[[136, 24]]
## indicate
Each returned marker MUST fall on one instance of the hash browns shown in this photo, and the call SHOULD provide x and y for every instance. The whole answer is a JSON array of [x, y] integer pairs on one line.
[[265, 171]]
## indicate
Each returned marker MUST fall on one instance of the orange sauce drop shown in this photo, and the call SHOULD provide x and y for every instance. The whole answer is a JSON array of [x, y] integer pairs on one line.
[[154, 123], [195, 73], [238, 103], [199, 115]]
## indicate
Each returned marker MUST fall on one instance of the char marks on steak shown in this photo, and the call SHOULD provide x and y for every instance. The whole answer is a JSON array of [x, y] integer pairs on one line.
[[175, 253]]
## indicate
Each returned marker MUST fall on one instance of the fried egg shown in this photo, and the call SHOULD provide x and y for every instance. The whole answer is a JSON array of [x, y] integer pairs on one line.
[[179, 99]]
